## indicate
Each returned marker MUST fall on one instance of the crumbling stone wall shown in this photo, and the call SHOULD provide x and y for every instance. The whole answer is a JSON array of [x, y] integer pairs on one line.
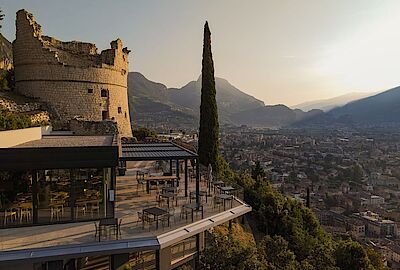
[[80, 127], [34, 110], [40, 117], [72, 77], [19, 108]]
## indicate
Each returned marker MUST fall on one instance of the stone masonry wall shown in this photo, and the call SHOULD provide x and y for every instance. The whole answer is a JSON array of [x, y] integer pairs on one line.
[[93, 127], [34, 110], [19, 108], [71, 76]]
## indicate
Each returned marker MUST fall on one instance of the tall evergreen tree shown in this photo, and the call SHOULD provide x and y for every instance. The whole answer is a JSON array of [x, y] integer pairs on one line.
[[1, 18], [209, 127]]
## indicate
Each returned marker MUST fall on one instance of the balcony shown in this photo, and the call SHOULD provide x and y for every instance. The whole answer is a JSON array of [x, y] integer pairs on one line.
[[131, 199]]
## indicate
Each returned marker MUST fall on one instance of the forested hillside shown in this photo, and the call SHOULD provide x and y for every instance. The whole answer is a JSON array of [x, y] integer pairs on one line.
[[290, 237]]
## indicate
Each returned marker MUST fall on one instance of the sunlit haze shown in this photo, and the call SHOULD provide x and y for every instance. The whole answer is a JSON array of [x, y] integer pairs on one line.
[[279, 51]]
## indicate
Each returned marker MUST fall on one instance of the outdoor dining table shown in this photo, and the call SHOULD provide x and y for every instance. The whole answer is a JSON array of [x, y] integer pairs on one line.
[[201, 194], [169, 195], [216, 184], [194, 207], [108, 222], [158, 178], [227, 189], [225, 197], [156, 212], [170, 189]]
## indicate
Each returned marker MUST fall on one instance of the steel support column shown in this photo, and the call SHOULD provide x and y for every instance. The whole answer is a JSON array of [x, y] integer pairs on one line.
[[177, 172], [186, 177], [197, 180]]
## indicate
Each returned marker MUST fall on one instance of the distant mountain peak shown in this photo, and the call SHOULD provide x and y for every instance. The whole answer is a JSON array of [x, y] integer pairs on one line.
[[376, 110], [330, 103], [230, 99]]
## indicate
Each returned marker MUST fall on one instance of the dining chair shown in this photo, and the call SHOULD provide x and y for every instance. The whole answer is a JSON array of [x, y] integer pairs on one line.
[[140, 181], [55, 212], [119, 227], [140, 218], [96, 227], [11, 214], [25, 214], [80, 209], [148, 220], [164, 220], [217, 203], [171, 213], [184, 212], [94, 208]]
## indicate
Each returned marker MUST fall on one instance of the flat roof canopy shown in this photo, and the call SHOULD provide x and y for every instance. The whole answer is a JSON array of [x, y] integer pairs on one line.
[[155, 151], [69, 141], [56, 152]]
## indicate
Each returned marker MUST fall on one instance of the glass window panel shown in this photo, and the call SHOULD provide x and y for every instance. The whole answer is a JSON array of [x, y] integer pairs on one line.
[[184, 248], [15, 198], [53, 196], [89, 191], [145, 260]]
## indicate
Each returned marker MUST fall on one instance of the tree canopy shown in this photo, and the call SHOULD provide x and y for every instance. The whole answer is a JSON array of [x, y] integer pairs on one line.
[[142, 133], [1, 18], [9, 120], [292, 238]]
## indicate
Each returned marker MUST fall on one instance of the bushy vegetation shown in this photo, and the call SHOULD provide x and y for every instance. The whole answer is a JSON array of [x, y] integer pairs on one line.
[[143, 133], [224, 170], [291, 237], [7, 79], [10, 120]]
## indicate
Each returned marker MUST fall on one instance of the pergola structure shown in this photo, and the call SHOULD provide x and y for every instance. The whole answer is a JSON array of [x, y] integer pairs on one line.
[[163, 151]]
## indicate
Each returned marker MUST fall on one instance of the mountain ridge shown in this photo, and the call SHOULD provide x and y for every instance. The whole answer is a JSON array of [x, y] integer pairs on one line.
[[145, 96], [331, 103], [380, 108]]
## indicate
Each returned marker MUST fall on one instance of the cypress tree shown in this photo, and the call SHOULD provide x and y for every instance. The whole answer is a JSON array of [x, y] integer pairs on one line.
[[209, 127]]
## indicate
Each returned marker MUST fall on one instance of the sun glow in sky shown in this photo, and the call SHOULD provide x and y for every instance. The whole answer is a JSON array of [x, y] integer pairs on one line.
[[282, 51], [369, 59]]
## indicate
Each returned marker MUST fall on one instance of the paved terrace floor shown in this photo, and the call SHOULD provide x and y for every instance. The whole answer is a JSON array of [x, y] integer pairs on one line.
[[129, 202]]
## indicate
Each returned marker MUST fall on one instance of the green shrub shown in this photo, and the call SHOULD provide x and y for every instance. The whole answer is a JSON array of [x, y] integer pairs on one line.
[[9, 121]]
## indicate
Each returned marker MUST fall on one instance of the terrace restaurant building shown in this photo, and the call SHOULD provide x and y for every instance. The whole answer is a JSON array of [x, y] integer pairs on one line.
[[63, 206]]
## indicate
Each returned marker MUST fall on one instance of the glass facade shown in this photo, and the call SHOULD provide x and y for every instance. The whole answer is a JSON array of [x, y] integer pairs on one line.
[[184, 248], [54, 196], [145, 260]]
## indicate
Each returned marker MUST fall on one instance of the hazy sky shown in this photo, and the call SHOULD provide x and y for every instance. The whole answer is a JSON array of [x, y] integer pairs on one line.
[[279, 51]]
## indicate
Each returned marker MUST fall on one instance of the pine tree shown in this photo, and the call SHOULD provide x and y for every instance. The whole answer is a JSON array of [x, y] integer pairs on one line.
[[209, 127]]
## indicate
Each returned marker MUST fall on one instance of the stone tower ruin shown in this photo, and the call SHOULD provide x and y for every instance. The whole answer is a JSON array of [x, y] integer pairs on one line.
[[72, 77]]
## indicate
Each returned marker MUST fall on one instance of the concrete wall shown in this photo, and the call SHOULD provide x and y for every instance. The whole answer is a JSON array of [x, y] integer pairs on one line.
[[70, 76], [10, 138]]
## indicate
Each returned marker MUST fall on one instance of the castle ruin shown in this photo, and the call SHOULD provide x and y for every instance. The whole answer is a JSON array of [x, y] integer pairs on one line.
[[72, 77]]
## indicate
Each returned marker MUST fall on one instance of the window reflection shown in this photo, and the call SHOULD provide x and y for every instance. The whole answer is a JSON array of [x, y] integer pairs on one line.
[[89, 190], [15, 197], [52, 196]]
